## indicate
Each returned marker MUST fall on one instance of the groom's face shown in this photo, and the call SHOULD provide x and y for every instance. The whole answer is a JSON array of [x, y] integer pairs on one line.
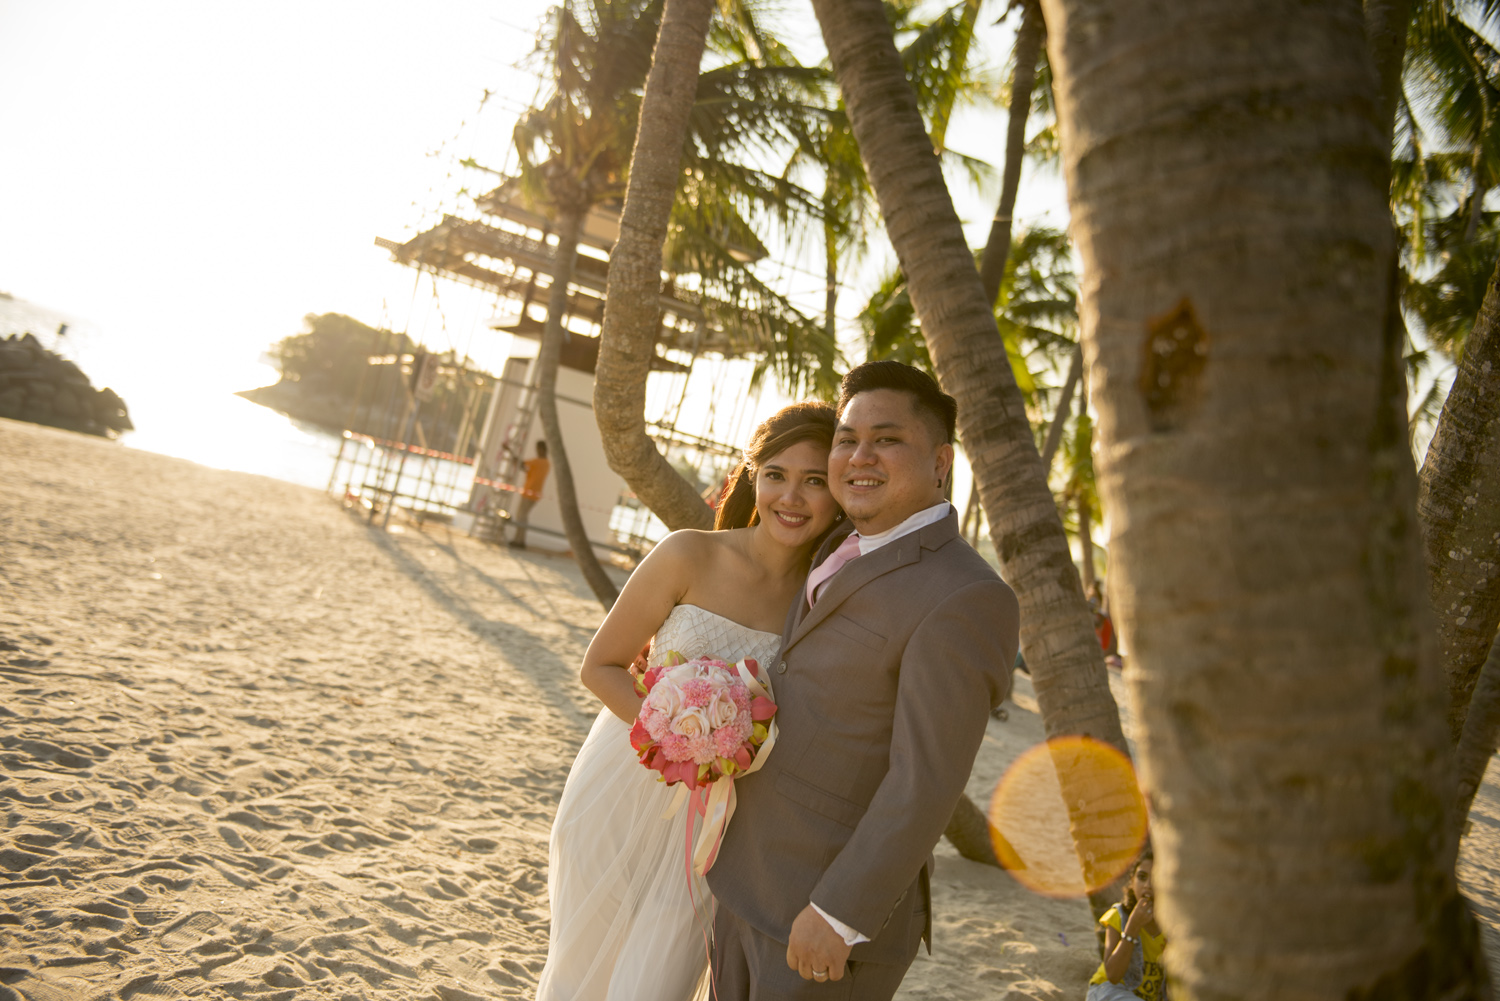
[[888, 460]]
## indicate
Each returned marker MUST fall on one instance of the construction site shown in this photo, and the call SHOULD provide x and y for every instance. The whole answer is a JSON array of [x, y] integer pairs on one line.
[[700, 397]]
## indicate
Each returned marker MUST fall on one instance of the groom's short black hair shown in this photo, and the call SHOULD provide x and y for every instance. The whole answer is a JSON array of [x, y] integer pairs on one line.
[[928, 400]]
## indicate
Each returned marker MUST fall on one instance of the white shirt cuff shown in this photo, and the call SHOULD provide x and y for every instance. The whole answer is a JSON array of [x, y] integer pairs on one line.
[[849, 935]]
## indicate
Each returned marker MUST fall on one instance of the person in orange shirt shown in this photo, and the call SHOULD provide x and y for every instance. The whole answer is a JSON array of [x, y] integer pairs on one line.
[[531, 491]]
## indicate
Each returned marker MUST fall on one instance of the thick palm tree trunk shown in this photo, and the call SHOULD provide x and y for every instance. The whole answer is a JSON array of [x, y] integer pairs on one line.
[[1386, 24], [958, 325], [1027, 47], [632, 310], [1267, 565], [1457, 500], [570, 224]]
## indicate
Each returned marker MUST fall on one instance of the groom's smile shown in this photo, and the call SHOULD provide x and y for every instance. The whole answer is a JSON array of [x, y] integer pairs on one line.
[[888, 461]]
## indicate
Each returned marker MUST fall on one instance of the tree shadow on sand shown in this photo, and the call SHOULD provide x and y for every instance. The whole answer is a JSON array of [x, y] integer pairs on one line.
[[550, 673]]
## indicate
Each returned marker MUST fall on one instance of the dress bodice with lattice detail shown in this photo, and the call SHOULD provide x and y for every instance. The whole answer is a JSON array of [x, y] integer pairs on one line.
[[697, 632]]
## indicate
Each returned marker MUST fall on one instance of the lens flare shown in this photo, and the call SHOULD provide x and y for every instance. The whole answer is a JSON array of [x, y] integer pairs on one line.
[[1067, 790]]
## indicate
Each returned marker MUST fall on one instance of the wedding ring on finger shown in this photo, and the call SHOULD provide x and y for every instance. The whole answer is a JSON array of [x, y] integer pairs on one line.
[[820, 974]]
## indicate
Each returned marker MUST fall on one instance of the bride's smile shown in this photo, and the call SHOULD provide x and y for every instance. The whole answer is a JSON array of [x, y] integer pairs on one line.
[[792, 498]]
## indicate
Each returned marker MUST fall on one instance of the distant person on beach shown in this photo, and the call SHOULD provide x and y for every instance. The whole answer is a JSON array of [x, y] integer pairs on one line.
[[1133, 944], [1104, 626], [628, 919], [531, 491]]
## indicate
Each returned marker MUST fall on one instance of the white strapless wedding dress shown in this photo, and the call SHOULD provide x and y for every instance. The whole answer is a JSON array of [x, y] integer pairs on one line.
[[624, 927]]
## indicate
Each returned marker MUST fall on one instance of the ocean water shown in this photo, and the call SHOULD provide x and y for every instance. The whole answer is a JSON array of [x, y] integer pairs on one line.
[[185, 407]]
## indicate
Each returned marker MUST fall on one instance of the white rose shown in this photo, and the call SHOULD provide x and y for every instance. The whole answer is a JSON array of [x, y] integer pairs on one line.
[[721, 711], [691, 723], [665, 698], [680, 674]]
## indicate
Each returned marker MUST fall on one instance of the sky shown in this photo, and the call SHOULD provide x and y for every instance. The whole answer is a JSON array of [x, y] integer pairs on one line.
[[187, 180]]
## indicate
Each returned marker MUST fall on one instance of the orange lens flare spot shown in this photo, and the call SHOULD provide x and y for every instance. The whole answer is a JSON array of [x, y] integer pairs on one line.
[[1065, 791]]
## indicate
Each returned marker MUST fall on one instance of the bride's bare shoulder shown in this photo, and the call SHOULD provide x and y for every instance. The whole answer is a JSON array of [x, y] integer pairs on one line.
[[691, 548]]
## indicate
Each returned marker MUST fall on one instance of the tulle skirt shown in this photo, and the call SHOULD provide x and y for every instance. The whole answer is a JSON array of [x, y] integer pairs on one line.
[[625, 926]]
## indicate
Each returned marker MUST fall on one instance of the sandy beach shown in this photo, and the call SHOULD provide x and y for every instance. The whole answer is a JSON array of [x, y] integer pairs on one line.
[[252, 748]]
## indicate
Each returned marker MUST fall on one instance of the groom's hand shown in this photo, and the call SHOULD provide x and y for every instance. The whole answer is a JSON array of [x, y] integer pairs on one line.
[[815, 947]]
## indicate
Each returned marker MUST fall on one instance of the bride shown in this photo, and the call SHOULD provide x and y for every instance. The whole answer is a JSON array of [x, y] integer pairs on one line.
[[627, 925]]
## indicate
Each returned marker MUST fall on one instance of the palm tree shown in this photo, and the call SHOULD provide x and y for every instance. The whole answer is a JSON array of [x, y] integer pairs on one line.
[[937, 55], [1269, 569], [1447, 158], [573, 151], [971, 362], [1036, 312], [570, 156], [1024, 55], [632, 308], [1459, 504], [1481, 731], [760, 98]]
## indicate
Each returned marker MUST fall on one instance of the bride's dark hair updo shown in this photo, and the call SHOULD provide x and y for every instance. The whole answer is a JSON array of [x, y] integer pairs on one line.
[[791, 425]]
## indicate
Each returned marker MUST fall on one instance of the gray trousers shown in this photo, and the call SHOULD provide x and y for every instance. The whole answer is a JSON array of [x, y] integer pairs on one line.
[[519, 519], [750, 966]]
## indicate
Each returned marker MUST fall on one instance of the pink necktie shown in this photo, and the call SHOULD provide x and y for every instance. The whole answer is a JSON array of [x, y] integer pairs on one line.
[[847, 550]]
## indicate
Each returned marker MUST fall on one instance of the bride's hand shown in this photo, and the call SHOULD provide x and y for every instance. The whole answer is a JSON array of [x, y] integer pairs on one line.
[[639, 665]]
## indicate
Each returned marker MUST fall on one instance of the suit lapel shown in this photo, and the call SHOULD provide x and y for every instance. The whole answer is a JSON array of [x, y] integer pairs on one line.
[[861, 571], [798, 611], [854, 575]]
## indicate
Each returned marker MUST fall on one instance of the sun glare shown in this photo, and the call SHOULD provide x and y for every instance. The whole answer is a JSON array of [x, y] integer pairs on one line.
[[1034, 829]]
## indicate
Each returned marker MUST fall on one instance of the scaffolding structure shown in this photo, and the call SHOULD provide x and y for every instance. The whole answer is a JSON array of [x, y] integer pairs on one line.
[[474, 480]]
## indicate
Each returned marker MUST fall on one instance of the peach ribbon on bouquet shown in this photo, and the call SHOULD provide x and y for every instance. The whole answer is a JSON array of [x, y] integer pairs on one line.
[[715, 801]]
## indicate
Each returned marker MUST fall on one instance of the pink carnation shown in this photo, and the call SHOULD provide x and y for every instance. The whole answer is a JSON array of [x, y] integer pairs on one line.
[[727, 740], [701, 748], [697, 692], [675, 747], [744, 724], [657, 724], [741, 696]]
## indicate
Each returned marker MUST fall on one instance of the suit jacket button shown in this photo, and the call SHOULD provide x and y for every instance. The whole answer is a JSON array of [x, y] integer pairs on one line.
[[781, 668]]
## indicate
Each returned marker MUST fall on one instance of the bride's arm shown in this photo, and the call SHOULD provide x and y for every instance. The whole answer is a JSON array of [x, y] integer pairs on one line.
[[648, 597]]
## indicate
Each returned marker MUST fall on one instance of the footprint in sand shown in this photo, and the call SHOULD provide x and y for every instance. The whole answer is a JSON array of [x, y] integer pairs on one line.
[[190, 930]]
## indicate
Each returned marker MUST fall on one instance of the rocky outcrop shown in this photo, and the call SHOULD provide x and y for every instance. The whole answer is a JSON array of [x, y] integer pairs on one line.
[[41, 387]]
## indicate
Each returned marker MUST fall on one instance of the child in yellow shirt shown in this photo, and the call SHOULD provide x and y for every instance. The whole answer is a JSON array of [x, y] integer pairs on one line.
[[1133, 944]]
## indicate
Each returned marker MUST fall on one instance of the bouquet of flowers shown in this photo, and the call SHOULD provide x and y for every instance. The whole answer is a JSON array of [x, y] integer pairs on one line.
[[700, 720], [704, 722]]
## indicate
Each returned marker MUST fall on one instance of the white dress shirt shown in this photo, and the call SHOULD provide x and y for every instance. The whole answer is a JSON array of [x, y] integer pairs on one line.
[[868, 544]]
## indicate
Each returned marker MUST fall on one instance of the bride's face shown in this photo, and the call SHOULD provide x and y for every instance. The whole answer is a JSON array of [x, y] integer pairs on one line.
[[792, 495]]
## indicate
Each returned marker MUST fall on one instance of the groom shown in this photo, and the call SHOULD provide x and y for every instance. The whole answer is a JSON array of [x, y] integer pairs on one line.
[[891, 660]]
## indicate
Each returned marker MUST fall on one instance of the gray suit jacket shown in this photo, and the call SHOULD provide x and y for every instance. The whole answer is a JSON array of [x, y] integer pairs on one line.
[[884, 689]]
